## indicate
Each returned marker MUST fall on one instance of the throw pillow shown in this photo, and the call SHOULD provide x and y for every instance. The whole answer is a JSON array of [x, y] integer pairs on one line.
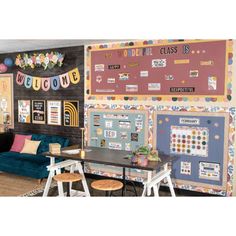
[[30, 147], [19, 142]]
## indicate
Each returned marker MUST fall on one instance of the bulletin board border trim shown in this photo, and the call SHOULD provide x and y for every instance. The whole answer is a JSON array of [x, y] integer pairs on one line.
[[172, 98], [194, 184]]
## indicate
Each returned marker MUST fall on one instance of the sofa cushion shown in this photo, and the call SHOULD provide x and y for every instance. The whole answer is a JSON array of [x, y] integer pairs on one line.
[[46, 139], [19, 142], [30, 147]]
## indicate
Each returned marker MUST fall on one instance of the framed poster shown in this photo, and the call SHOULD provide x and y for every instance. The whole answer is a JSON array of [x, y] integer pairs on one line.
[[177, 70], [38, 112], [54, 112], [199, 141], [71, 113], [24, 111], [6, 100], [117, 129]]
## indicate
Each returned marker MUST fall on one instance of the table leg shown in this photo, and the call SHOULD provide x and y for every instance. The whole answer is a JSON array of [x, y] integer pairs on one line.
[[149, 178], [84, 183], [170, 186], [48, 183], [124, 183], [68, 189]]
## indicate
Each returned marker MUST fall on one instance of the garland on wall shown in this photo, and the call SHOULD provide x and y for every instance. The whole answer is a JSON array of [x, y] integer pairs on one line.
[[45, 83], [47, 61]]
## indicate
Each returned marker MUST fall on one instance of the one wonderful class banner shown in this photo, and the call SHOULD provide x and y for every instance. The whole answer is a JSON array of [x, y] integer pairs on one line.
[[47, 83]]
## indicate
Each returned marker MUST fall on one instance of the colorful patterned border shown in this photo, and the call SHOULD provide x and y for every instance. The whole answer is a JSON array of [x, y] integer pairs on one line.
[[229, 74], [151, 109]]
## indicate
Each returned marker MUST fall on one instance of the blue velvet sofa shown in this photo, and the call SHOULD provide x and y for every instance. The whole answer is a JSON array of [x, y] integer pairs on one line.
[[29, 165]]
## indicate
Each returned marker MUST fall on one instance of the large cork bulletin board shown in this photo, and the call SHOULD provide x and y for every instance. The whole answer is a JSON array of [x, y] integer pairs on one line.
[[6, 100]]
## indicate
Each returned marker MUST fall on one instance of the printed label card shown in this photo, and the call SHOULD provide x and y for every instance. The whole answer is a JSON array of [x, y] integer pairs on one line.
[[157, 63], [110, 133], [209, 171], [212, 83], [185, 168], [108, 123]]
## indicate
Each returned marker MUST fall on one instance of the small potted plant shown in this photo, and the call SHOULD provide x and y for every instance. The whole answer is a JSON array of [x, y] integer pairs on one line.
[[143, 154]]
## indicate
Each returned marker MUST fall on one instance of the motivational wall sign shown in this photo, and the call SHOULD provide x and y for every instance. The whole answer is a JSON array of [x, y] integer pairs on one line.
[[54, 112], [174, 69], [71, 113], [199, 141], [24, 111], [38, 112]]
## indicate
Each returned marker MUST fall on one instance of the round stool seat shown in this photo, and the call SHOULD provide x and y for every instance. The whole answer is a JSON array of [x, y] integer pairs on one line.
[[68, 177], [107, 185]]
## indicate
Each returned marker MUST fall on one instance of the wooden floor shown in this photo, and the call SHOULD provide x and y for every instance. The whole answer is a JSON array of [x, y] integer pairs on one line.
[[13, 185]]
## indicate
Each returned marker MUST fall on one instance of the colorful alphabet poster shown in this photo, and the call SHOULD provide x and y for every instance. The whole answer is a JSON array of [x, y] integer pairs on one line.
[[38, 112], [117, 129], [199, 141], [179, 70], [71, 113], [24, 111], [54, 112], [6, 100]]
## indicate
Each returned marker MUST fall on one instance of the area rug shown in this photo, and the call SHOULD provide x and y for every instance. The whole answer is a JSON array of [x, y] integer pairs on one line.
[[20, 186]]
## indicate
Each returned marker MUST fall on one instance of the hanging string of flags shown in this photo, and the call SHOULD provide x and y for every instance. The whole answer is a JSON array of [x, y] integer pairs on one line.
[[37, 83]]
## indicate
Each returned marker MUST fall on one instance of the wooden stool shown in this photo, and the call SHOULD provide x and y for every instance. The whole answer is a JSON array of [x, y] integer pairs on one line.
[[68, 178], [107, 185]]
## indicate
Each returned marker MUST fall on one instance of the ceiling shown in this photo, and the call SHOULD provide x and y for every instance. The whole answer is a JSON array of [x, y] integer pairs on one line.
[[14, 45]]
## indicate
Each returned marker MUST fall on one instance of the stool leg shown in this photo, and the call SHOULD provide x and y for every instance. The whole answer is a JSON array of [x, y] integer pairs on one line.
[[72, 170], [108, 193], [60, 185]]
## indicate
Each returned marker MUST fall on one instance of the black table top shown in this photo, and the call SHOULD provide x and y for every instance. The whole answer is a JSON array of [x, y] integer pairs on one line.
[[111, 157]]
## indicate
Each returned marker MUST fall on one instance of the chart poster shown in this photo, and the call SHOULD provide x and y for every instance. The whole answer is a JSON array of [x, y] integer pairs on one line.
[[6, 100], [117, 129], [199, 141], [71, 113], [38, 112], [196, 69], [24, 111], [54, 112]]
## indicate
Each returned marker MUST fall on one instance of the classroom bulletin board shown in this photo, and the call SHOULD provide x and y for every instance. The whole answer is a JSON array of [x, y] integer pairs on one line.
[[199, 141], [117, 129], [6, 100], [171, 70]]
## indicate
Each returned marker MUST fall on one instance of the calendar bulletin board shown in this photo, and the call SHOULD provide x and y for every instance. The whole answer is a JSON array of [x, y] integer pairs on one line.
[[117, 129], [199, 140], [6, 100], [185, 70]]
